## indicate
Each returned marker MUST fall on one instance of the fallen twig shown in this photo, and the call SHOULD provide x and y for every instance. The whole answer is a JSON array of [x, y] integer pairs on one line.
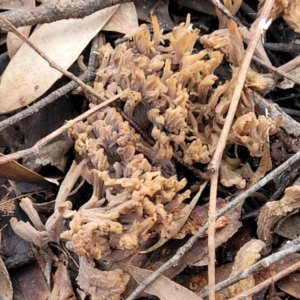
[[35, 148], [185, 248], [289, 248], [282, 47], [279, 71], [225, 11], [257, 29], [267, 282], [51, 12]]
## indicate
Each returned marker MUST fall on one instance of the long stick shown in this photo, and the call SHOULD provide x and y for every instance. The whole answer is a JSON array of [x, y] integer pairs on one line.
[[258, 28]]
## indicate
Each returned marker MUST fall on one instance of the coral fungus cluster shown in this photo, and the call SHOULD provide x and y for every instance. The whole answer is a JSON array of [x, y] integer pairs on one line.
[[170, 91]]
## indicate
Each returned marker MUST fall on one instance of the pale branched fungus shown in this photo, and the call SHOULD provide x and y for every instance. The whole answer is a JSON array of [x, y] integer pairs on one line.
[[170, 92]]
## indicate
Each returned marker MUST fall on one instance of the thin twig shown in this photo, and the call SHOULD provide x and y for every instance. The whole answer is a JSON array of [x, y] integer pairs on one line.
[[291, 247], [225, 11], [277, 70], [52, 11], [291, 65], [92, 64], [185, 248], [35, 149], [257, 28], [52, 63], [282, 47], [267, 282]]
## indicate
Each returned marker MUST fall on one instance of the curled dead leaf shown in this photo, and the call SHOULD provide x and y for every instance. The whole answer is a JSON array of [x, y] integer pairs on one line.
[[274, 212]]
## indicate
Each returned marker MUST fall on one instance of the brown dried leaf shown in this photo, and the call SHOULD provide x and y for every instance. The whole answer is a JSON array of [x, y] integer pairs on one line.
[[123, 20], [246, 257], [22, 82], [13, 42], [29, 283], [5, 283], [15, 171], [275, 211], [13, 4], [161, 287], [197, 282], [289, 227], [198, 217], [62, 289]]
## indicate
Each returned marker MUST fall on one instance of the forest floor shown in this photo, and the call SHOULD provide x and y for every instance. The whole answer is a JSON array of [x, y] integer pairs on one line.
[[149, 147]]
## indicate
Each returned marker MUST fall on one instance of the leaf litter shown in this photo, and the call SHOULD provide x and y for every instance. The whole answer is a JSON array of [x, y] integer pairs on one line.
[[143, 192]]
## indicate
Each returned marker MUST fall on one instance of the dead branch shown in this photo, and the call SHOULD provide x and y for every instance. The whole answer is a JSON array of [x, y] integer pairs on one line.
[[225, 11], [282, 47], [289, 248], [279, 71], [186, 247], [50, 12]]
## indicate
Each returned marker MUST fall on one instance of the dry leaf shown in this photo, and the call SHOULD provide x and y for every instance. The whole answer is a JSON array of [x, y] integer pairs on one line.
[[31, 282], [13, 42], [274, 212], [5, 283], [161, 287], [246, 257], [28, 75], [123, 20], [13, 4], [286, 284], [62, 289], [289, 227], [290, 285], [198, 217], [14, 171]]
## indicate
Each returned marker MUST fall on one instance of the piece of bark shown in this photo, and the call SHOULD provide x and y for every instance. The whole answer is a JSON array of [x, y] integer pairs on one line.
[[289, 132]]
